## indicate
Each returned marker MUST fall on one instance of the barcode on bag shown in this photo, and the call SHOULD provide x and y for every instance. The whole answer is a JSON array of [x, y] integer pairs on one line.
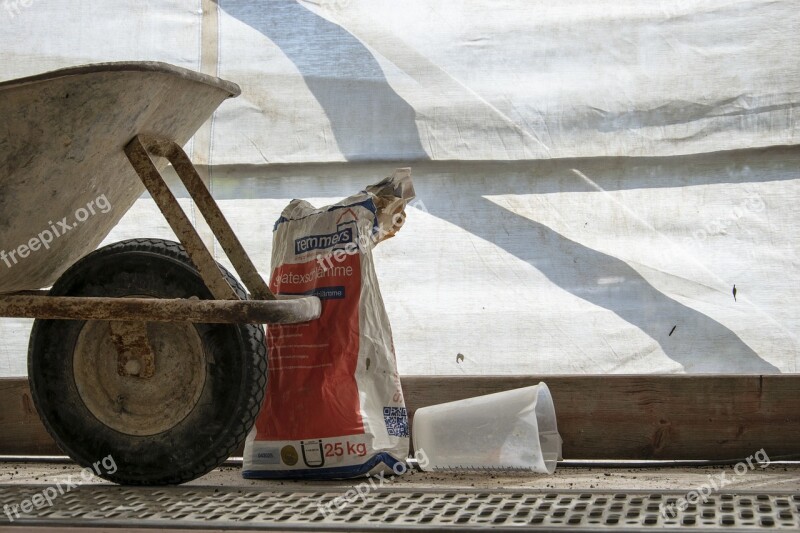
[[396, 419]]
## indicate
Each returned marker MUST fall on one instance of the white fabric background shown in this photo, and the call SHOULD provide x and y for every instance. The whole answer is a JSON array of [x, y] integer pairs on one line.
[[591, 174]]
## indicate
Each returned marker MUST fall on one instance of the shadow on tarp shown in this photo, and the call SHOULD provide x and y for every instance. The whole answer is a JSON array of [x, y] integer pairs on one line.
[[366, 115], [350, 86], [456, 192]]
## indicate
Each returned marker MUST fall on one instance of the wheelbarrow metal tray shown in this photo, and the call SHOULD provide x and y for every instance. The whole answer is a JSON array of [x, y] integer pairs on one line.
[[62, 139]]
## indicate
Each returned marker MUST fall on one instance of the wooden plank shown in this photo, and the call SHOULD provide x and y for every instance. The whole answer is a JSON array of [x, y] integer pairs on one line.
[[651, 417], [599, 417], [21, 430]]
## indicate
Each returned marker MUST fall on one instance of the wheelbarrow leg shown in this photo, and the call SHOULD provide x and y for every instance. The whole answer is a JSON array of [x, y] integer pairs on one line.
[[138, 152]]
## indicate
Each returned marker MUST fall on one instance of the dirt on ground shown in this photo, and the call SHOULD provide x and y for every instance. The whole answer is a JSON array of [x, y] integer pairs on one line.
[[776, 476]]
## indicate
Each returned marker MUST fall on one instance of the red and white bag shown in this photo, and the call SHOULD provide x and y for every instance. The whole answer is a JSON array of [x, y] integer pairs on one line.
[[334, 407]]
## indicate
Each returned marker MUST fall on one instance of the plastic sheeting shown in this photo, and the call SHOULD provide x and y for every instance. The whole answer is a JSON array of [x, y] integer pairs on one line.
[[590, 174]]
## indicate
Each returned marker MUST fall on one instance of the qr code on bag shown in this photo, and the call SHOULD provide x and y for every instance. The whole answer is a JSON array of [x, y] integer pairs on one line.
[[396, 421]]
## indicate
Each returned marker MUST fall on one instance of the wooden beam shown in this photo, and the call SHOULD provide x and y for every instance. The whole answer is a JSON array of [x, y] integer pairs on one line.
[[21, 430], [682, 417], [599, 417]]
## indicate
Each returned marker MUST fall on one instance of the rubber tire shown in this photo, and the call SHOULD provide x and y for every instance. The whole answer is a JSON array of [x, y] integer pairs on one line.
[[236, 358]]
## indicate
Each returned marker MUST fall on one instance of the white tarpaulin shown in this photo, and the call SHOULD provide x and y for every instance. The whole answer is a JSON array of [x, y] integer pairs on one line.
[[595, 177]]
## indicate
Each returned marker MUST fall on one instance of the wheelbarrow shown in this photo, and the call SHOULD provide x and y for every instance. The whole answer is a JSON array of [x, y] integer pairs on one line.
[[147, 351]]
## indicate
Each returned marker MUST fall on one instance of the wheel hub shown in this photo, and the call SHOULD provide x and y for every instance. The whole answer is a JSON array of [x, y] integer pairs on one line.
[[126, 402]]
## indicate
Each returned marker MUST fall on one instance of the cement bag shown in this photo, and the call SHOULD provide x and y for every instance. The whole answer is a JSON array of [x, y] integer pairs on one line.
[[333, 407]]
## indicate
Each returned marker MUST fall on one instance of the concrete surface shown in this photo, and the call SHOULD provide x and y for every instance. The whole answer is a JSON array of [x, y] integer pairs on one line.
[[775, 476]]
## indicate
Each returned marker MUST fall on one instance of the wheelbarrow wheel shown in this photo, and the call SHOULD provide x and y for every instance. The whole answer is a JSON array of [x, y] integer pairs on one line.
[[178, 424]]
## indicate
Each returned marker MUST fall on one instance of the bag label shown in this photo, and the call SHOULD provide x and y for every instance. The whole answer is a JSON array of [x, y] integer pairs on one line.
[[343, 235], [305, 360]]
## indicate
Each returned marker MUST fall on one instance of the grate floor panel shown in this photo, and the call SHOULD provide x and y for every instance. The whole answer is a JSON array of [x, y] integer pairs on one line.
[[397, 509]]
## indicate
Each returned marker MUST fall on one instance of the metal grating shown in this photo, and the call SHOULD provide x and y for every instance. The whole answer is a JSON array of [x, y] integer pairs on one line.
[[400, 509]]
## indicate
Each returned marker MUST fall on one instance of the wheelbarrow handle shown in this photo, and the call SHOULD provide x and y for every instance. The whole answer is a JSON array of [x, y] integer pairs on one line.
[[37, 304]]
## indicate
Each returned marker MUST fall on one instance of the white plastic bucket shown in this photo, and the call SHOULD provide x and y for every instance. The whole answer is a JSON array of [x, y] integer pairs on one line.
[[510, 430]]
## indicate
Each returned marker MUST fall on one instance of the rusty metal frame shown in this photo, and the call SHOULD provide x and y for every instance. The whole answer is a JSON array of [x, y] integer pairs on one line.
[[36, 304], [135, 356], [138, 152], [226, 307]]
